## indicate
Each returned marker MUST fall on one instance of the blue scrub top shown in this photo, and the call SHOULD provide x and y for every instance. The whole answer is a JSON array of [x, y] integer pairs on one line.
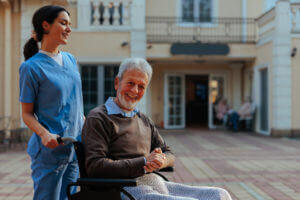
[[56, 93]]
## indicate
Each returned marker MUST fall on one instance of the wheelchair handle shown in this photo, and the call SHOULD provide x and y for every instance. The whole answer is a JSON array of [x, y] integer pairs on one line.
[[61, 140]]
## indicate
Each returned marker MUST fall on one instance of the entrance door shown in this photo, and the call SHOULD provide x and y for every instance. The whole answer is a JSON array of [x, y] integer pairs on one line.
[[217, 86], [197, 100], [174, 101], [264, 100]]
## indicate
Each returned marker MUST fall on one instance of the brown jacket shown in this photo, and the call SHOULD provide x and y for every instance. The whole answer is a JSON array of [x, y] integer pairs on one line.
[[115, 146]]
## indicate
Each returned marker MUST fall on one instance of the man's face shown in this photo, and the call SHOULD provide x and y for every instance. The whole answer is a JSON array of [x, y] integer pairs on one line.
[[131, 88]]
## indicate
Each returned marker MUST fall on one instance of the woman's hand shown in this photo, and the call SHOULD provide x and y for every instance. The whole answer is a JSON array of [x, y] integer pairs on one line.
[[49, 140]]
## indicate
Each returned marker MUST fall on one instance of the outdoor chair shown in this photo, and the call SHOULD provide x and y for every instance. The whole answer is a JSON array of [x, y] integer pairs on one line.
[[248, 122], [98, 188]]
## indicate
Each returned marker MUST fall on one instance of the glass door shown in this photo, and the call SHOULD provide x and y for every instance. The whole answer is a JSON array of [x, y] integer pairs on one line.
[[174, 101], [264, 100], [217, 86]]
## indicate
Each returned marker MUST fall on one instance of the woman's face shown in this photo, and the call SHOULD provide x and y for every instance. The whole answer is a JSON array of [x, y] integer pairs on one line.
[[60, 30]]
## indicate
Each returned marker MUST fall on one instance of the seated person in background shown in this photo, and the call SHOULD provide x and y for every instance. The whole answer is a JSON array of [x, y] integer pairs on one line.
[[121, 142], [245, 111], [222, 109]]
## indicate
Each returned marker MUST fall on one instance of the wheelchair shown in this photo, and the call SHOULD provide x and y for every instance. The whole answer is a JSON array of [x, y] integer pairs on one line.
[[98, 188]]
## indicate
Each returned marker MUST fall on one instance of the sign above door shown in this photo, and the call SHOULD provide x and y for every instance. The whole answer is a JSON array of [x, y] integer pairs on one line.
[[199, 49]]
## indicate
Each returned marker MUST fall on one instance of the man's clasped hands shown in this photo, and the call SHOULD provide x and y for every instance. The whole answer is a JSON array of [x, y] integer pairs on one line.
[[155, 160]]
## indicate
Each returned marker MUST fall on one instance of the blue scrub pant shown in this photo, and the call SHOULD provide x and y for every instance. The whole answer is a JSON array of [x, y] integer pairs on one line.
[[234, 119], [50, 180]]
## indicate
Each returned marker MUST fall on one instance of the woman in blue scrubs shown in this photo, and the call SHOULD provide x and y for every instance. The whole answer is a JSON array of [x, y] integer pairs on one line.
[[51, 98]]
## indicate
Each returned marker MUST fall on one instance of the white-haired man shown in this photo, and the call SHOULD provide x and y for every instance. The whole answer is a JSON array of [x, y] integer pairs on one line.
[[121, 142]]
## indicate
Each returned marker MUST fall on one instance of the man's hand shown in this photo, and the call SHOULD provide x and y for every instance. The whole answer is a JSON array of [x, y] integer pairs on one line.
[[49, 140], [156, 160]]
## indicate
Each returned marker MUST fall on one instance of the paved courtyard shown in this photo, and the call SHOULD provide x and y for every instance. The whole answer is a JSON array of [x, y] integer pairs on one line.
[[248, 166]]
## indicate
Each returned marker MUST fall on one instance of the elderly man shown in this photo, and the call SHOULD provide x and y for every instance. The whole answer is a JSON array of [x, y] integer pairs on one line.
[[121, 142]]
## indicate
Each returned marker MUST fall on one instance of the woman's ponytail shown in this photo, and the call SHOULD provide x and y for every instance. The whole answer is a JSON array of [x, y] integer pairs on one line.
[[30, 48]]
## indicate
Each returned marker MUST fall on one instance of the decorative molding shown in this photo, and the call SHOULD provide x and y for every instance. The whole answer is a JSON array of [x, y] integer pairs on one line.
[[99, 60], [266, 17], [102, 29], [295, 11], [14, 5], [5, 3], [264, 41]]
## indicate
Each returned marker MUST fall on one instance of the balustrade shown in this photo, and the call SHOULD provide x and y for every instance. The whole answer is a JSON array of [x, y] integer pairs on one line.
[[110, 13]]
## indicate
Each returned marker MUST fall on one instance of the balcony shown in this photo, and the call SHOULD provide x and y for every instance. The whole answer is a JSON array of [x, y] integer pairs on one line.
[[212, 30]]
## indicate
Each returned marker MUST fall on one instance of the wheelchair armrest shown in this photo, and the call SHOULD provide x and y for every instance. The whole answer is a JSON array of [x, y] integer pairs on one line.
[[167, 169], [101, 182]]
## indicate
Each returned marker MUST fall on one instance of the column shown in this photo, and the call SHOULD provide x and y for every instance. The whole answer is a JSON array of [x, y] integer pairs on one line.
[[138, 44], [138, 31], [237, 85], [84, 15], [281, 71], [7, 65]]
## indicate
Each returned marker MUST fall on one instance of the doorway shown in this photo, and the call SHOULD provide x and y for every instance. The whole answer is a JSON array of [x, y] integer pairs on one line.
[[197, 99], [264, 100]]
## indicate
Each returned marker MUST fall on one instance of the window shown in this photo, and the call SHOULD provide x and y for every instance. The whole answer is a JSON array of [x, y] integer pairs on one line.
[[97, 84], [110, 72], [196, 10], [89, 87]]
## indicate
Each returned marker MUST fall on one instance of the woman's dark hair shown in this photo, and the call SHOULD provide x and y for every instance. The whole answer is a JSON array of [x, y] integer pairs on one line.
[[48, 14]]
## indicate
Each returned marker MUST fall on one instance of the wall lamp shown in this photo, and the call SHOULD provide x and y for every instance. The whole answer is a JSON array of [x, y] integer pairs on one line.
[[294, 52], [124, 44]]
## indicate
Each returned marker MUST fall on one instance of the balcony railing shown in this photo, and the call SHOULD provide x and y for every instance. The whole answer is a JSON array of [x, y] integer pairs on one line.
[[108, 13], [214, 30]]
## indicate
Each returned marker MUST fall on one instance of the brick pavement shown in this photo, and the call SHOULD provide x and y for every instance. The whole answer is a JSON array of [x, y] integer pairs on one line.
[[248, 166]]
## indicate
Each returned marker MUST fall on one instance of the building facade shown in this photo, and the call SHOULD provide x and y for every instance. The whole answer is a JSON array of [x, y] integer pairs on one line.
[[200, 51]]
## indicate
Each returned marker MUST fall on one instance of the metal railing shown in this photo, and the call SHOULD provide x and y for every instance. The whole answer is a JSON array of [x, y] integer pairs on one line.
[[212, 30]]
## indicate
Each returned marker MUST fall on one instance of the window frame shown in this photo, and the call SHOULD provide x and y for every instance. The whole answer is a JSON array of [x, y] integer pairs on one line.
[[214, 11], [100, 80]]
